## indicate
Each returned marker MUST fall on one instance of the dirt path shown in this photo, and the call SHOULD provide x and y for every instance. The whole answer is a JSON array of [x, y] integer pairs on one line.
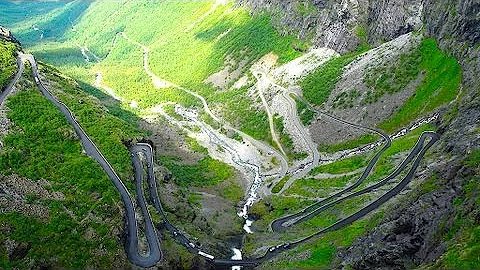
[[98, 84], [262, 84], [258, 181]]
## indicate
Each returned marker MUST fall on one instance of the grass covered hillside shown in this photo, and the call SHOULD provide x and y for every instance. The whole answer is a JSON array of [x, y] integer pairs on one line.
[[263, 143], [59, 209], [8, 63], [58, 206], [191, 41]]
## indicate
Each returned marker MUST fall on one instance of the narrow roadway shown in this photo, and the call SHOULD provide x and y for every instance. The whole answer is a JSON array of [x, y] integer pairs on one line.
[[14, 81], [262, 83], [132, 250], [155, 253]]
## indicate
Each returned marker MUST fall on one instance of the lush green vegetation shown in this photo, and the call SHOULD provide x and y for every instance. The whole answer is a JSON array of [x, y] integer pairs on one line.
[[318, 85], [107, 131], [12, 12], [8, 63], [392, 79], [280, 184], [442, 78], [345, 100], [43, 146], [351, 144], [286, 141], [306, 115], [464, 233], [342, 166], [305, 8], [311, 187], [277, 206], [208, 172], [47, 20], [386, 163], [321, 252], [252, 121], [324, 249], [231, 190], [206, 42]]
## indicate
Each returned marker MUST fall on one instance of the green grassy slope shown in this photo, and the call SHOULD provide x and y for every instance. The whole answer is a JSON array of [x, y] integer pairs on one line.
[[318, 85], [441, 84], [106, 130], [8, 62], [43, 146], [191, 41], [16, 12], [52, 18]]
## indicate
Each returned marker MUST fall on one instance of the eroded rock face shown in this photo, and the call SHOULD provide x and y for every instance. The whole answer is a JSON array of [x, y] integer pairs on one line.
[[388, 19], [327, 23], [411, 233], [7, 35], [339, 24], [407, 237]]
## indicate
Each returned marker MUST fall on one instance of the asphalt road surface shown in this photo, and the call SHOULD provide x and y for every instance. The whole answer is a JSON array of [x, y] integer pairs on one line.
[[155, 254], [154, 249]]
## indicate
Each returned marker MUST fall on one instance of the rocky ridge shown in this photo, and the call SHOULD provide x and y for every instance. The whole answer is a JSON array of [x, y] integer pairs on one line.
[[411, 234]]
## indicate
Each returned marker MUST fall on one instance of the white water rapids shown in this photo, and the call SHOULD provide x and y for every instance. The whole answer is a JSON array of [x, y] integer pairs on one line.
[[237, 255]]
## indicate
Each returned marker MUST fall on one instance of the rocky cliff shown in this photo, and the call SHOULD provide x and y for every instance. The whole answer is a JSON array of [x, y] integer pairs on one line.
[[342, 25], [415, 231], [7, 35]]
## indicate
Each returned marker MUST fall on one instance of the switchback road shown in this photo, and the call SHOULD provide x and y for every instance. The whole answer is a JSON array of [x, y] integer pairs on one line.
[[155, 253]]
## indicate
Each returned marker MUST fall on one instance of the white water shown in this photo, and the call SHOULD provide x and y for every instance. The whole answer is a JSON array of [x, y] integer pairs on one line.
[[247, 225], [237, 256]]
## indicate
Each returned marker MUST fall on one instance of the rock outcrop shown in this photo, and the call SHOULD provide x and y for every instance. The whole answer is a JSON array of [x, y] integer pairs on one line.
[[342, 25], [7, 35], [411, 234], [332, 24]]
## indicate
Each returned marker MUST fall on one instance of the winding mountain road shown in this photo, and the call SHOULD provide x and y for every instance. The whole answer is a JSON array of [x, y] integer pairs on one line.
[[418, 151], [4, 94], [278, 224], [262, 84], [155, 253], [283, 168], [132, 250], [292, 116]]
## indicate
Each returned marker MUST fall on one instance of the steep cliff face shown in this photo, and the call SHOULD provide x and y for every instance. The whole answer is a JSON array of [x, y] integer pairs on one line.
[[342, 25], [389, 19], [415, 231], [333, 24]]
